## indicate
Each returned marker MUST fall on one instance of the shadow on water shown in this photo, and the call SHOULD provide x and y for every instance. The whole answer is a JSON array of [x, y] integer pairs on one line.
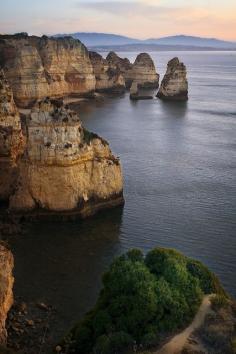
[[174, 110], [63, 263]]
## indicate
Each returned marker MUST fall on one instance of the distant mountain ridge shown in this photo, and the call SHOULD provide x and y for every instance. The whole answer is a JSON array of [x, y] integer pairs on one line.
[[108, 39], [94, 39]]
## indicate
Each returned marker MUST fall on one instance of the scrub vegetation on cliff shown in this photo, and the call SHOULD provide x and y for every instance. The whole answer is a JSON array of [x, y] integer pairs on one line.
[[142, 300]]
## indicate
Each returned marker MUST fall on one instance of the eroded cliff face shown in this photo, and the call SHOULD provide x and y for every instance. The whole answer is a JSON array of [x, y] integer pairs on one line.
[[123, 64], [11, 139], [37, 67], [6, 285], [174, 85], [142, 71], [65, 168], [108, 77]]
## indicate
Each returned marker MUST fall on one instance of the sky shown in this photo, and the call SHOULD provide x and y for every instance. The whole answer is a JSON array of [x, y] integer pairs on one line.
[[133, 18]]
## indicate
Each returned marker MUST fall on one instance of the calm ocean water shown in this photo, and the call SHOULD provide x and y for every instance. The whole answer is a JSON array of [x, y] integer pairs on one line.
[[179, 164]]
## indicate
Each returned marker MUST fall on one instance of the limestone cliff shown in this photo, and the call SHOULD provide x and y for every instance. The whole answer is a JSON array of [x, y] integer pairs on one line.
[[65, 168], [143, 70], [108, 77], [6, 285], [174, 85], [123, 64], [37, 67], [11, 139]]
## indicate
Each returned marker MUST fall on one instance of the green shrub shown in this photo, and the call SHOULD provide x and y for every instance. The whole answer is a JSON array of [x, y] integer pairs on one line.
[[142, 298], [218, 302]]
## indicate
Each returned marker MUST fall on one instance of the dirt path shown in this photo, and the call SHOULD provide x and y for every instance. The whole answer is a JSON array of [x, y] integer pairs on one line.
[[177, 343]]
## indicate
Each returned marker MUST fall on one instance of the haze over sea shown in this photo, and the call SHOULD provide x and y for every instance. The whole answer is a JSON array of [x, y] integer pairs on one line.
[[179, 164]]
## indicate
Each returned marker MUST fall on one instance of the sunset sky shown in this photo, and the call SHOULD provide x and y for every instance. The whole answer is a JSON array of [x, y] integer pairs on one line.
[[134, 18]]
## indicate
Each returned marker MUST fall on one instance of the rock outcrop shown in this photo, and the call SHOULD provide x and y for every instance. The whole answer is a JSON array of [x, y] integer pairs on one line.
[[11, 139], [143, 70], [65, 168], [123, 64], [6, 285], [174, 85], [134, 93], [108, 77], [37, 67]]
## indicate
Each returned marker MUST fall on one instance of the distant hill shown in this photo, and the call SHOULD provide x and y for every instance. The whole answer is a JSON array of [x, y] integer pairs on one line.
[[181, 42], [100, 39], [191, 41]]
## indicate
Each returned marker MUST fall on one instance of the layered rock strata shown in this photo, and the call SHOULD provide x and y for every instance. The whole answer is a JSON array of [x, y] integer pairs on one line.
[[37, 67], [123, 64], [174, 85], [6, 285], [108, 77], [11, 139], [65, 168], [142, 71]]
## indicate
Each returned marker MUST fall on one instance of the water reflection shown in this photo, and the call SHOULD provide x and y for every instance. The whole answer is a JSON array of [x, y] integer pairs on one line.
[[173, 110]]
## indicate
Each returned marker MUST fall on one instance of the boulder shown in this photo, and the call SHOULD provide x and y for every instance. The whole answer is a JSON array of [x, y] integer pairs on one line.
[[108, 77], [174, 86]]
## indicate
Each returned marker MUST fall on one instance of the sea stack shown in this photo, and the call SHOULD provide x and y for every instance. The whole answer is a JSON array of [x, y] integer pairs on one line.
[[144, 72], [65, 169], [174, 86], [11, 139], [123, 64], [108, 77], [37, 67], [6, 285]]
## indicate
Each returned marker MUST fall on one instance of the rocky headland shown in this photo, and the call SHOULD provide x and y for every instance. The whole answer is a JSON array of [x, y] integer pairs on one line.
[[174, 86], [37, 67], [65, 168]]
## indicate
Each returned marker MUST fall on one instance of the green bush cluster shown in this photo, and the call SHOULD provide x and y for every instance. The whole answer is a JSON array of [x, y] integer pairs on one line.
[[142, 298]]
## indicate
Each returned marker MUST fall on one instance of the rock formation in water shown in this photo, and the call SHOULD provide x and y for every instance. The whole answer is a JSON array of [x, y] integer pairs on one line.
[[174, 85], [143, 70], [65, 168], [123, 64], [6, 285], [133, 91], [108, 77], [11, 139], [37, 67], [135, 95]]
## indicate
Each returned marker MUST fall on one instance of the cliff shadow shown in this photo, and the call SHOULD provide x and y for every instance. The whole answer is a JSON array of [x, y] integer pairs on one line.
[[61, 264]]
